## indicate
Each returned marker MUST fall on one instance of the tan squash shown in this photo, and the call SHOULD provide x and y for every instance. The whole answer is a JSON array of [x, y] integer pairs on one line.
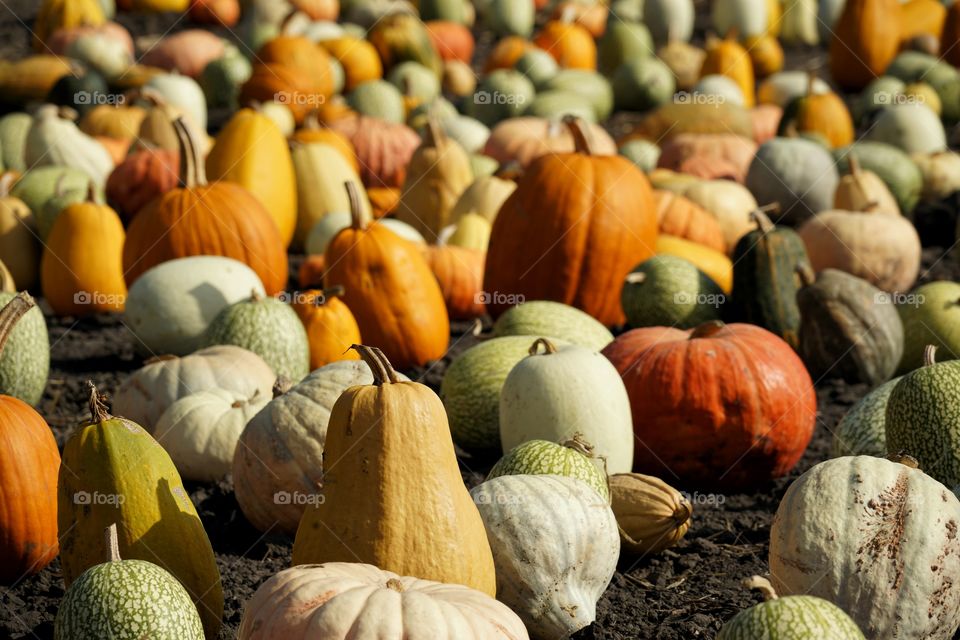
[[121, 122], [861, 190], [19, 247], [485, 195], [312, 131], [652, 515]]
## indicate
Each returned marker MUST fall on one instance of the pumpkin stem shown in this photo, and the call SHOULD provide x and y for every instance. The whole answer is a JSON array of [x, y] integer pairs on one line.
[[805, 272], [359, 217], [636, 277], [395, 584], [11, 314], [432, 134], [929, 355], [91, 192], [477, 328], [255, 296], [733, 33], [811, 81], [192, 171], [763, 586], [97, 404], [112, 543], [281, 385], [683, 512], [511, 170], [7, 180], [579, 444], [760, 218], [854, 165], [66, 113], [548, 347], [581, 139], [904, 458], [707, 329], [378, 363]]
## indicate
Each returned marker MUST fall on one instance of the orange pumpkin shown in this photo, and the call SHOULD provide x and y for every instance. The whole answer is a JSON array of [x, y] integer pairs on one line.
[[331, 327], [286, 85], [313, 132], [141, 177], [452, 40], [383, 200], [765, 119], [709, 155], [28, 476], [383, 148], [866, 39], [303, 56], [310, 274], [390, 290], [115, 147], [921, 17], [221, 219], [590, 16], [684, 218], [728, 58], [571, 45], [459, 272], [359, 59], [766, 54], [506, 53], [571, 232], [824, 114]]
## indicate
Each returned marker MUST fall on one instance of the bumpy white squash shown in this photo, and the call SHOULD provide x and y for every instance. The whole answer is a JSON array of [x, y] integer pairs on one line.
[[878, 539], [555, 546]]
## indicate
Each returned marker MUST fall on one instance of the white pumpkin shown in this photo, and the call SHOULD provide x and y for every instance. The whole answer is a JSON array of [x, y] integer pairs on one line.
[[171, 305], [722, 87], [484, 196], [941, 173], [56, 141], [146, 394], [200, 431], [669, 20], [469, 133], [912, 127], [555, 546], [799, 24], [281, 116], [184, 93], [278, 464], [353, 600], [784, 86], [748, 17], [331, 224], [567, 390], [878, 539], [105, 54]]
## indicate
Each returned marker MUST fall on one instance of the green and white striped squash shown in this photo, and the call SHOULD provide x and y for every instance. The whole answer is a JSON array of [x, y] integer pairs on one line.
[[270, 328], [572, 458], [25, 358], [862, 431], [790, 618], [553, 320], [930, 315], [876, 538], [668, 291]]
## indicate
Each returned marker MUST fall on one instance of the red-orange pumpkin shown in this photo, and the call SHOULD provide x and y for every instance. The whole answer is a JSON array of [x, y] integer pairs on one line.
[[452, 40], [459, 272], [506, 53], [302, 56], [728, 406], [383, 148], [319, 9], [215, 12], [140, 178], [709, 155]]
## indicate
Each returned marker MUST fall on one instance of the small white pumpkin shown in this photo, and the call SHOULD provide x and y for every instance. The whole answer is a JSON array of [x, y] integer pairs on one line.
[[729, 202], [555, 546], [200, 431], [281, 116], [104, 54], [669, 20], [721, 87], [562, 391], [469, 132], [941, 173], [878, 539], [331, 224], [184, 93], [785, 86], [484, 196], [57, 141], [748, 17]]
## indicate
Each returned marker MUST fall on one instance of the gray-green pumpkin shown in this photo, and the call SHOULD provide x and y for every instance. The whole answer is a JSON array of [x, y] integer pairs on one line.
[[555, 104], [911, 66], [415, 80], [796, 173], [893, 166], [538, 65], [553, 320], [222, 78], [504, 93], [127, 600], [46, 215], [930, 315], [849, 329], [789, 618], [269, 328], [573, 458], [911, 127], [25, 356], [668, 291], [509, 17], [643, 153], [14, 128], [622, 41], [452, 10], [40, 184], [862, 431], [640, 84], [878, 94], [379, 99], [589, 85]]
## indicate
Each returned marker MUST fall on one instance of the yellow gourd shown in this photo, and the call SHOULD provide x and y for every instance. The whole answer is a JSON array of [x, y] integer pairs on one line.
[[727, 57]]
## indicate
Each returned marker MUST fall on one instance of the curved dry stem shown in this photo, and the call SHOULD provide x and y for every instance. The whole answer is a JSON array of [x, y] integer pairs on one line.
[[548, 347], [97, 404], [11, 313]]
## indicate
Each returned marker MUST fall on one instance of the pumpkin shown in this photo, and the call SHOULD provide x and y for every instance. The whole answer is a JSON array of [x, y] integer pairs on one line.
[[941, 174], [553, 573], [766, 120], [669, 291], [882, 249], [823, 543], [573, 458], [32, 78], [383, 149], [685, 61], [717, 266], [316, 596], [709, 155], [484, 196], [60, 40], [746, 17], [592, 16], [730, 203], [215, 12], [510, 18], [221, 78], [866, 39], [55, 140], [897, 170], [642, 84], [459, 272], [25, 361], [623, 41], [503, 93], [186, 52], [301, 56], [81, 271], [19, 248], [681, 217], [157, 129], [153, 513], [912, 127], [141, 177], [285, 84], [862, 431], [219, 218], [48, 213], [332, 223], [668, 20], [717, 88], [506, 53], [862, 189], [570, 44], [399, 37], [359, 59], [452, 40], [555, 320], [798, 174], [184, 94], [540, 400], [313, 132], [823, 114], [929, 315], [116, 148], [766, 55], [699, 406], [521, 244], [14, 128], [121, 122], [28, 530], [311, 271], [170, 307], [363, 455], [525, 139], [920, 18], [651, 515], [693, 116], [64, 14], [590, 86], [726, 57], [330, 326], [459, 79]]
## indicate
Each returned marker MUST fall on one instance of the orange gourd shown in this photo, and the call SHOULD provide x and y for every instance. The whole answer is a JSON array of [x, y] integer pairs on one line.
[[452, 40], [140, 178], [319, 9], [383, 201], [866, 39], [684, 218], [590, 16], [728, 58], [459, 273], [824, 114], [300, 55], [506, 53], [384, 149], [570, 44], [286, 85], [331, 327], [359, 59], [922, 17]]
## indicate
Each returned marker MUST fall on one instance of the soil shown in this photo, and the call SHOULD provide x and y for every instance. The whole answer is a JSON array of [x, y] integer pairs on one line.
[[685, 592]]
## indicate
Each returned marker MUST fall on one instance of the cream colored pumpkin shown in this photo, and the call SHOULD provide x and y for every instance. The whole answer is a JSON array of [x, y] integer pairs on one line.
[[56, 140], [746, 17], [878, 539], [729, 202], [339, 599], [862, 190], [484, 196], [941, 173], [555, 546], [200, 431], [472, 231], [149, 391]]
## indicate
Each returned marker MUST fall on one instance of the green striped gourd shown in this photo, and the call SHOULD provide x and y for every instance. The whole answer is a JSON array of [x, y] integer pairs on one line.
[[573, 458], [668, 291], [25, 360], [789, 618], [126, 600], [862, 431], [555, 320]]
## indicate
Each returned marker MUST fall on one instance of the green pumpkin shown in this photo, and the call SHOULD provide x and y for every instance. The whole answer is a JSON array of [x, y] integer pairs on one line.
[[553, 320], [502, 94], [911, 127], [643, 153], [471, 387], [879, 93], [930, 315], [40, 184], [25, 356], [509, 17], [573, 458], [47, 214], [79, 91], [269, 328], [923, 418], [622, 41], [439, 107], [849, 329], [667, 291], [862, 431], [538, 65], [400, 37], [912, 66], [14, 128], [114, 472], [789, 618], [415, 80], [768, 264], [450, 10], [945, 80], [380, 99], [642, 83], [126, 600], [901, 174], [591, 86], [556, 104], [796, 173], [222, 78]]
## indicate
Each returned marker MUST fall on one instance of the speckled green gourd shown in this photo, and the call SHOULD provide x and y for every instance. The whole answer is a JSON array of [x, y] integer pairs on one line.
[[573, 459], [923, 418], [471, 390], [25, 360], [790, 618], [862, 431], [668, 291], [930, 315], [127, 600], [553, 320], [269, 328]]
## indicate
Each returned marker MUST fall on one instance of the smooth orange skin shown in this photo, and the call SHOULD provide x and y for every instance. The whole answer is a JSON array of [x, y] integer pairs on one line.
[[331, 328], [866, 39], [571, 45]]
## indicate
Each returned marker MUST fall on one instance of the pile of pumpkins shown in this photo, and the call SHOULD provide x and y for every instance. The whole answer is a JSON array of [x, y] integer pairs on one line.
[[750, 235]]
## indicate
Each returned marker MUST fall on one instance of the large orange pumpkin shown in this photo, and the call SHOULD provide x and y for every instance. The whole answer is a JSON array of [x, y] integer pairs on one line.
[[303, 56], [390, 290], [359, 59], [728, 58], [28, 476], [383, 148], [922, 17], [220, 219], [571, 232], [459, 272], [286, 85], [727, 406], [866, 39]]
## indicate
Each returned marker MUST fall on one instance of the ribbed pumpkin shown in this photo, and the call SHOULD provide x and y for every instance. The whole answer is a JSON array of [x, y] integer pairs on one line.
[[866, 39], [399, 37], [734, 405], [140, 178], [570, 44], [728, 58], [81, 271], [921, 18], [383, 149], [284, 84], [571, 232], [301, 56], [220, 218], [823, 114], [389, 461], [652, 515], [28, 475], [358, 58], [122, 122], [19, 248], [678, 216], [331, 327], [459, 272], [64, 14], [573, 458], [526, 138], [389, 288]]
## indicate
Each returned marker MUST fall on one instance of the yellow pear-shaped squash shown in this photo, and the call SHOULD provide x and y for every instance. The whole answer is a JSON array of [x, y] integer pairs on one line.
[[393, 495], [19, 248], [252, 152]]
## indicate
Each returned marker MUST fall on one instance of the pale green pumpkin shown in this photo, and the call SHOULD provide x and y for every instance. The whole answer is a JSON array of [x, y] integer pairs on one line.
[[573, 458], [556, 320], [25, 357]]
